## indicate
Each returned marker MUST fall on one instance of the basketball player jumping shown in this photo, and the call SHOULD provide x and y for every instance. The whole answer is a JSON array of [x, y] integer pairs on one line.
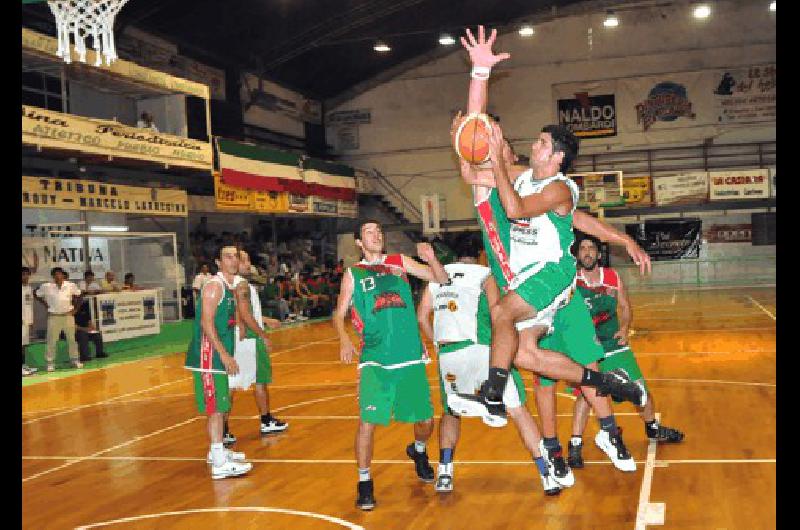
[[462, 333], [392, 380]]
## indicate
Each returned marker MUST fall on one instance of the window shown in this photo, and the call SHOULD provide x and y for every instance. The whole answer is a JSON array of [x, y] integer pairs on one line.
[[42, 90]]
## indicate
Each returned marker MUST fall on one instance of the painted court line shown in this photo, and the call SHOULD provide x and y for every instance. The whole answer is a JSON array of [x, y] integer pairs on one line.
[[118, 446], [648, 513], [685, 331], [262, 509], [764, 309], [713, 381]]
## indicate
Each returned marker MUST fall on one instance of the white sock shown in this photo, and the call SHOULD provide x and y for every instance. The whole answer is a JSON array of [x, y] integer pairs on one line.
[[363, 475], [446, 469], [218, 455], [419, 446]]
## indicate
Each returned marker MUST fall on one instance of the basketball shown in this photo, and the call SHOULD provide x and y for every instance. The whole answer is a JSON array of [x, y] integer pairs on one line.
[[471, 140]]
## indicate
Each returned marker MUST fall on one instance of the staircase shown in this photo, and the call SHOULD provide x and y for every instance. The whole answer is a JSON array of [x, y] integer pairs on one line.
[[378, 190]]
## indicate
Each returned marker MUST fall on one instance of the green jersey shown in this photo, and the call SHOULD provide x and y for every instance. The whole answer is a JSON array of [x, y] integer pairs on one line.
[[519, 248], [201, 355], [601, 299], [384, 315]]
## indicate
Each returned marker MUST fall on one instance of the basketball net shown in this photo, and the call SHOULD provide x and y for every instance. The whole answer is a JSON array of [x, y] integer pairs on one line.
[[79, 20]]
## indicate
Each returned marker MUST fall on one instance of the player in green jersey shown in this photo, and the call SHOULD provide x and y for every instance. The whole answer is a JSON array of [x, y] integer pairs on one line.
[[392, 380], [610, 309], [210, 358]]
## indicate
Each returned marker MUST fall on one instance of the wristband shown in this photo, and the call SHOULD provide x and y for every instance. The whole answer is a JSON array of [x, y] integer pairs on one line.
[[481, 72]]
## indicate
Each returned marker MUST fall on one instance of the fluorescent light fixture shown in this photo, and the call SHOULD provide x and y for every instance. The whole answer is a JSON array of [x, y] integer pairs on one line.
[[772, 6], [381, 47], [611, 20], [701, 11], [97, 228], [446, 39], [526, 31]]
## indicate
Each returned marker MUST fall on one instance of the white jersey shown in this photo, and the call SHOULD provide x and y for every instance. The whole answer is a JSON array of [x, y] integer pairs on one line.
[[535, 241], [455, 304], [255, 302], [245, 350]]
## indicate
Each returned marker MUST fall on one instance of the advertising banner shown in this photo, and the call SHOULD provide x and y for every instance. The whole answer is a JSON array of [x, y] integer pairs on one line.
[[600, 187], [746, 95], [773, 173], [92, 196], [667, 239], [430, 214], [684, 188], [733, 233], [733, 185], [48, 128], [41, 254], [636, 191], [589, 116], [128, 314]]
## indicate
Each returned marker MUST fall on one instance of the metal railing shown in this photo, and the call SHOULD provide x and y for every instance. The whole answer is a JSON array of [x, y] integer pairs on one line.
[[407, 208]]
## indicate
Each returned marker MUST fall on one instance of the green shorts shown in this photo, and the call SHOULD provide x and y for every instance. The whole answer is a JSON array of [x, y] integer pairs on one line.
[[619, 357], [263, 363], [463, 366], [402, 393], [573, 335], [547, 291], [211, 392]]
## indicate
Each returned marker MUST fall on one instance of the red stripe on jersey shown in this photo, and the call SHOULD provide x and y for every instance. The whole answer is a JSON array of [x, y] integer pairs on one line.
[[487, 218], [610, 278], [209, 392], [389, 266], [206, 354]]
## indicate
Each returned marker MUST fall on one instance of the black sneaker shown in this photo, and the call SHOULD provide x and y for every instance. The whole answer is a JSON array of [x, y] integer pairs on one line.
[[617, 384], [664, 434], [575, 458], [366, 497], [272, 424], [483, 404], [423, 467], [228, 439]]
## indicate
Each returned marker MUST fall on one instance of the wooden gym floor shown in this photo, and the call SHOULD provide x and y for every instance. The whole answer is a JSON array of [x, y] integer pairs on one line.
[[123, 447]]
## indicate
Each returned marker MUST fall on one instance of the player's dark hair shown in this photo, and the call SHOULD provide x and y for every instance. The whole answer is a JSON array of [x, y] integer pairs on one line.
[[26, 269], [54, 270], [580, 237], [565, 142], [87, 274], [469, 246], [360, 225]]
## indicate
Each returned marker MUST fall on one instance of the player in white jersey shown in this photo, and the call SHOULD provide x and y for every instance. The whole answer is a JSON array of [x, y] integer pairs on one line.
[[461, 334], [250, 351]]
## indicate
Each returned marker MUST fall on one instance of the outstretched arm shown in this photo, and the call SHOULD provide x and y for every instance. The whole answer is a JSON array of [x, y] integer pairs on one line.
[[424, 310], [432, 272], [607, 233], [624, 312], [346, 349], [482, 59]]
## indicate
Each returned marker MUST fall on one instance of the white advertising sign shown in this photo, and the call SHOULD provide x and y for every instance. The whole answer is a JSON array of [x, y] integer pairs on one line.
[[733, 185], [687, 188], [43, 253], [128, 314]]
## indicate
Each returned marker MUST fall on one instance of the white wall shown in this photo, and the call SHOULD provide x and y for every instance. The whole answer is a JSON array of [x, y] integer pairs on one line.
[[408, 138], [169, 113], [91, 103]]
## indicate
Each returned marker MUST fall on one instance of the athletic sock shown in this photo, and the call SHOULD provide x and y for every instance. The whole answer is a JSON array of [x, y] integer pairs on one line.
[[446, 455], [542, 465], [552, 444], [225, 429], [609, 424], [651, 426], [576, 440], [266, 417], [419, 446], [591, 377], [363, 475], [497, 382], [218, 456]]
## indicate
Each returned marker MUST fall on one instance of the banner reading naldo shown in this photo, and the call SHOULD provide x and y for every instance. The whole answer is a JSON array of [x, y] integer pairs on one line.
[[589, 116]]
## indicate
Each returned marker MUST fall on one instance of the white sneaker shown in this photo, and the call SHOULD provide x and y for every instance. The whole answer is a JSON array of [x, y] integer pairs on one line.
[[444, 482], [230, 469], [27, 370], [77, 364], [273, 425], [232, 456], [551, 487], [615, 448], [302, 317], [558, 467], [51, 367]]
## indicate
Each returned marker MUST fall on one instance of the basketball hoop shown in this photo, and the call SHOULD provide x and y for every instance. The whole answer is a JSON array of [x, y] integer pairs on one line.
[[82, 19]]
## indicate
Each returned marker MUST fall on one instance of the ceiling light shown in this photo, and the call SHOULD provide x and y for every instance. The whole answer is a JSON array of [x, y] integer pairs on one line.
[[526, 31], [702, 11], [96, 228], [381, 47], [611, 20], [772, 6], [446, 39]]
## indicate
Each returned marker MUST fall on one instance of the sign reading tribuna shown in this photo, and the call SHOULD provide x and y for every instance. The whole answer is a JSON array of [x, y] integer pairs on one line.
[[47, 128], [88, 195]]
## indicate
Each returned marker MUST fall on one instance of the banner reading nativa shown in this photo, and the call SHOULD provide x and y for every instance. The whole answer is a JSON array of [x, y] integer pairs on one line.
[[41, 254], [50, 129], [125, 315], [88, 195]]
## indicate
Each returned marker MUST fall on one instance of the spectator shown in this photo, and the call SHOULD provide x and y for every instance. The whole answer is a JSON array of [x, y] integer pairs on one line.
[[273, 268], [200, 280], [108, 284], [88, 285], [130, 283], [271, 299], [60, 297], [27, 318], [146, 122], [289, 294], [85, 332]]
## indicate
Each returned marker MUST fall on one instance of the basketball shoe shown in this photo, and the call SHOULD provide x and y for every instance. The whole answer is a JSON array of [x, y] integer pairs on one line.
[[614, 447], [559, 469], [366, 496], [270, 424], [660, 433], [233, 456], [423, 467], [575, 458], [230, 469], [486, 404], [444, 482], [551, 487]]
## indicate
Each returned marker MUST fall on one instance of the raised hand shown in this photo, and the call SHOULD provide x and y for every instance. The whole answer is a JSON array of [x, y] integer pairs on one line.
[[480, 51], [425, 252], [497, 146], [639, 257]]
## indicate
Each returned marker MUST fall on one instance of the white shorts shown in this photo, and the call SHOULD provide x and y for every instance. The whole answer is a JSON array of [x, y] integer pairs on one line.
[[244, 352], [462, 372], [545, 317], [26, 334]]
